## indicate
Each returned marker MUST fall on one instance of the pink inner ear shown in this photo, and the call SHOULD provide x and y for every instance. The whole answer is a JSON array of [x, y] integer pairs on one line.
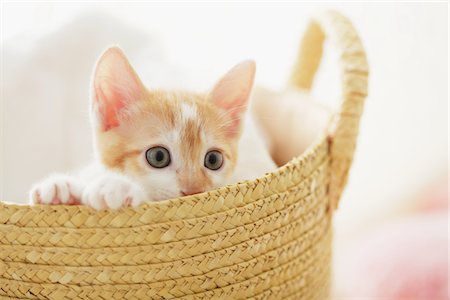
[[109, 108], [116, 86], [232, 94]]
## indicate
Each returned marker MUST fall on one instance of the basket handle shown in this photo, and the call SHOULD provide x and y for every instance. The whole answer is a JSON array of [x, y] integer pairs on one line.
[[343, 131]]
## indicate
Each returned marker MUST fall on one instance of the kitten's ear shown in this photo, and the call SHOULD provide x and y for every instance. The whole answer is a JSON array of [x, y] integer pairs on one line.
[[232, 93], [115, 87]]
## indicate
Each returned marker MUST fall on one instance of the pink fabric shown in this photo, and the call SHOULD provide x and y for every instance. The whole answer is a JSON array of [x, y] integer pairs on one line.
[[406, 259], [436, 199]]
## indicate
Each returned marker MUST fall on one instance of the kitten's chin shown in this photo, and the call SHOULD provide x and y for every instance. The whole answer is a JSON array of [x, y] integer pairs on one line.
[[171, 195], [162, 195], [156, 194]]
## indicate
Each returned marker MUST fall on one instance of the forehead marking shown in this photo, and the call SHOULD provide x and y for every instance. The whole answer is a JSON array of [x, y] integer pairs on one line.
[[188, 112]]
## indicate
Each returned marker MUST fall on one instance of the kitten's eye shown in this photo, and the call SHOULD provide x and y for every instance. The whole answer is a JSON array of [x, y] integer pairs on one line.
[[213, 160], [158, 157]]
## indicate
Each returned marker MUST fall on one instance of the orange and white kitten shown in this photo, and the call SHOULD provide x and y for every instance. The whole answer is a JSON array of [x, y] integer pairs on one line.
[[152, 145]]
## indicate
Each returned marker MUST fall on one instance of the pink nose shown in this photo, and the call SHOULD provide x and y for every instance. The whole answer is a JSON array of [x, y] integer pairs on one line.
[[191, 192]]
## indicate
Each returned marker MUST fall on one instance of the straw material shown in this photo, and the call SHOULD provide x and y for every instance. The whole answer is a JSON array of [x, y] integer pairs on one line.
[[268, 238]]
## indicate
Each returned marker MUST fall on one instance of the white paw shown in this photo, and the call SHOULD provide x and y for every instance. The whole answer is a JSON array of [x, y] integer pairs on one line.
[[57, 189], [113, 191]]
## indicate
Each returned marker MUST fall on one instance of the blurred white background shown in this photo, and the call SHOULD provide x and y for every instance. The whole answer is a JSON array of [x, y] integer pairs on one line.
[[403, 144]]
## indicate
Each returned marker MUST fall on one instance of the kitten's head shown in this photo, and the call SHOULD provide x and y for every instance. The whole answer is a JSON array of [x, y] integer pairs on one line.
[[173, 143]]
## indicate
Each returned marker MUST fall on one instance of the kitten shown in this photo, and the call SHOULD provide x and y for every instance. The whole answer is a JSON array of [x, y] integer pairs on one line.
[[152, 145]]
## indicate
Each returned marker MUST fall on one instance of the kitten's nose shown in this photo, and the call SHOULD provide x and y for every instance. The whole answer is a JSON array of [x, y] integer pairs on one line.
[[191, 192]]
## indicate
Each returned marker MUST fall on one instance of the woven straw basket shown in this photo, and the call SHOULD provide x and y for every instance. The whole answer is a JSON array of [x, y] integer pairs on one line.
[[268, 238]]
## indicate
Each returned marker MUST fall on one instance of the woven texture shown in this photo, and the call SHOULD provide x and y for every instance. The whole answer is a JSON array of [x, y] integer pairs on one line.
[[268, 238]]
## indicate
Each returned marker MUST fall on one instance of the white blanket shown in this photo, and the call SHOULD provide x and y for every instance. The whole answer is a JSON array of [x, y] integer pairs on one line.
[[45, 93]]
